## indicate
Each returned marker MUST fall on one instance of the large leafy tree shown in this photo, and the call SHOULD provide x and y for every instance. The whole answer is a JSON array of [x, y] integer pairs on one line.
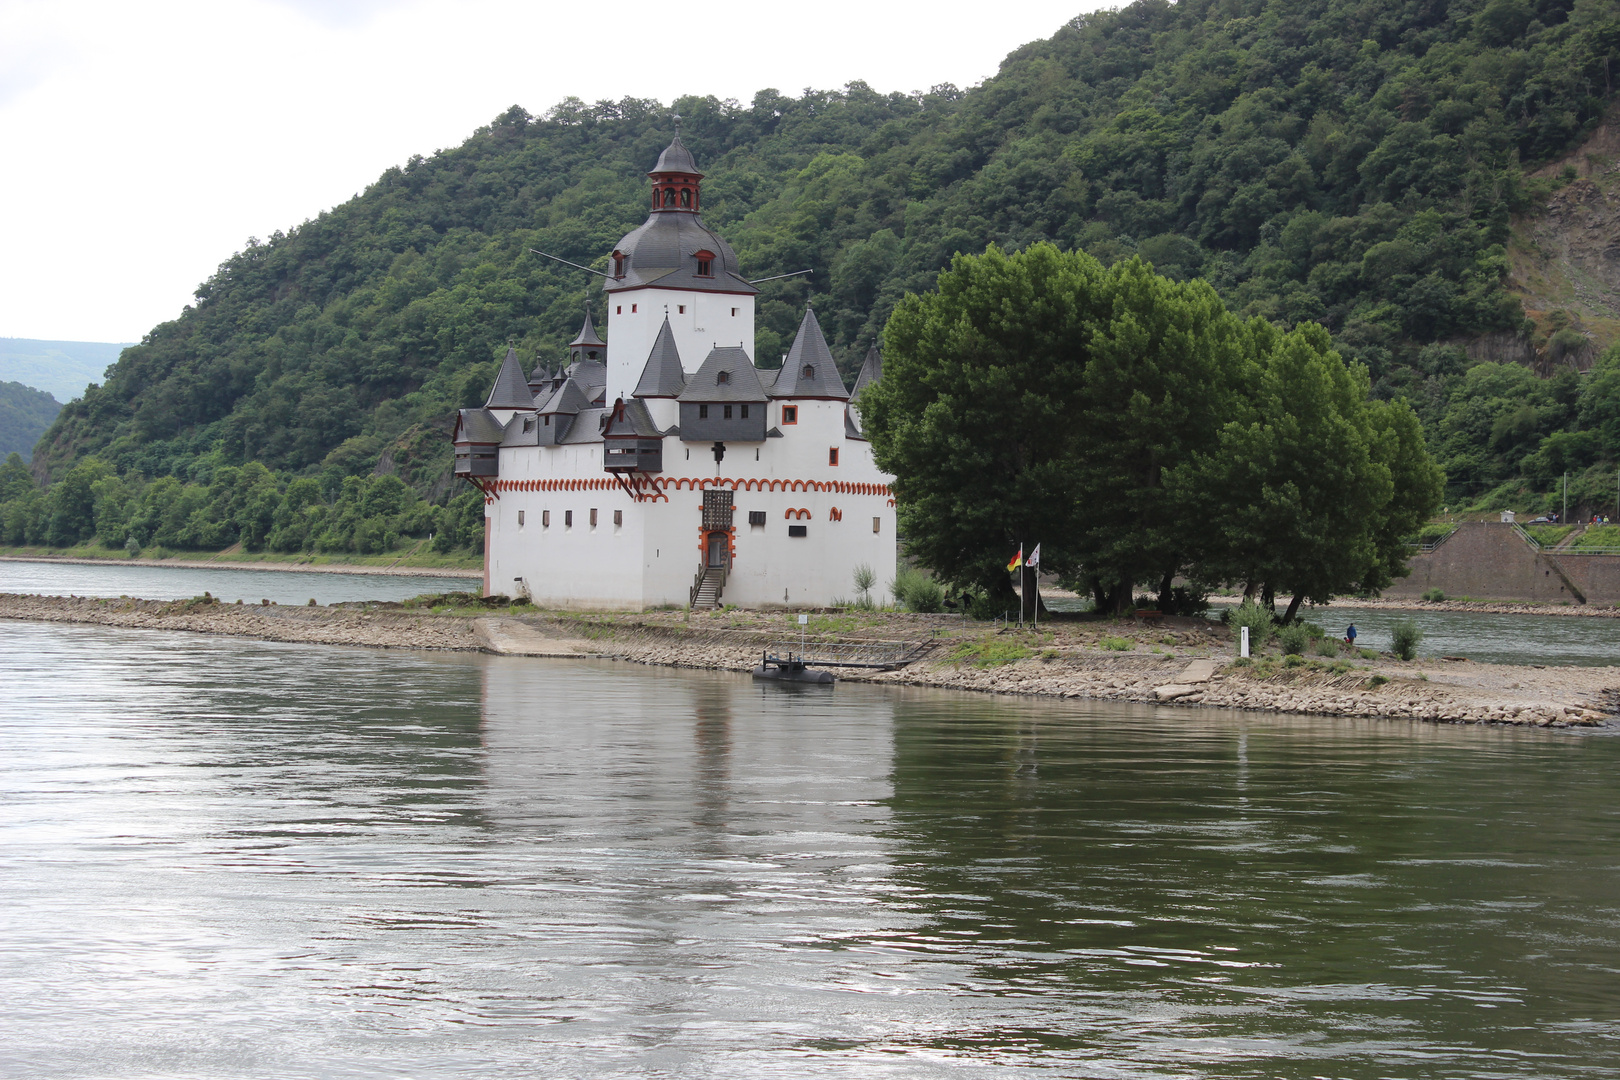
[[1038, 397], [1312, 488]]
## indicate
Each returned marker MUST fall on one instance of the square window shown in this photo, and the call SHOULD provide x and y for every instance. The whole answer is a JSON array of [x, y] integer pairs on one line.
[[618, 518], [680, 309], [727, 412], [756, 517], [520, 519], [798, 530], [832, 455], [593, 517], [703, 412], [790, 414], [545, 519], [877, 524], [619, 310]]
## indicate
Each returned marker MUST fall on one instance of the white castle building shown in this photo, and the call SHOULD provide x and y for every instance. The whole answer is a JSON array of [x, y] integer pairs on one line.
[[661, 467]]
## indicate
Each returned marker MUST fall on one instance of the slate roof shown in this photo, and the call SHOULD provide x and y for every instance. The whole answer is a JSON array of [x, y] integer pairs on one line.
[[662, 252], [675, 158], [637, 423], [567, 399], [478, 426], [590, 375], [586, 428], [540, 381], [587, 334], [809, 371], [663, 376], [511, 390], [871, 371], [742, 383]]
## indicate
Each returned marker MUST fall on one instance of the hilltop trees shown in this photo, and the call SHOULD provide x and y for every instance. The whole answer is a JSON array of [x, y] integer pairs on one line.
[[1138, 431]]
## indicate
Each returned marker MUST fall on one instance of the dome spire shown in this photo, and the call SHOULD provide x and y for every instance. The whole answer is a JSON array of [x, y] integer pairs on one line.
[[675, 177]]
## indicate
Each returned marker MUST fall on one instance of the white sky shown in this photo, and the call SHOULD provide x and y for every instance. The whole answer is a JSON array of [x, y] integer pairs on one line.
[[142, 143]]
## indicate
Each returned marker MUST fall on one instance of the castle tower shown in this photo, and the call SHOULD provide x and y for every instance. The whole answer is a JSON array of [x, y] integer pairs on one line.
[[676, 266]]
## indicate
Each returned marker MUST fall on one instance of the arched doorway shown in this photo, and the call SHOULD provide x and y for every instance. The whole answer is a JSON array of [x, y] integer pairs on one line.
[[717, 549]]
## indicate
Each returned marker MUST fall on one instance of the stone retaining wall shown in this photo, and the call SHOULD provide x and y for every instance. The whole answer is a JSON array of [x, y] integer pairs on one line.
[[1488, 560]]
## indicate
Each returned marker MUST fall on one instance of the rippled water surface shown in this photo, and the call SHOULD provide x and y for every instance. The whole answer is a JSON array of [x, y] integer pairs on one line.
[[223, 858], [230, 585]]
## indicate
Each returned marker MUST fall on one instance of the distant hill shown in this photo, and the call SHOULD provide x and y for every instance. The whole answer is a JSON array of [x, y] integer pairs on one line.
[[61, 368], [1357, 163], [25, 413]]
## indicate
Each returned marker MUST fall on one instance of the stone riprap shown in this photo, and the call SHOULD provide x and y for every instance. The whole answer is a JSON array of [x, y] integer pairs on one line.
[[1193, 672]]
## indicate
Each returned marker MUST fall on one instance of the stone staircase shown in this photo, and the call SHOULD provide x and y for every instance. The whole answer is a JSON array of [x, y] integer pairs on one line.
[[707, 588]]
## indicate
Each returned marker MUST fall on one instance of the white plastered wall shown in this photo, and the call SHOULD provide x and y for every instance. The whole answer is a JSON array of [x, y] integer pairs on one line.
[[636, 315]]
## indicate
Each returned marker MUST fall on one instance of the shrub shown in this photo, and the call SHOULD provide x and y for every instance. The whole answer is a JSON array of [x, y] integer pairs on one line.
[[1327, 647], [980, 606], [1292, 637], [1434, 596], [1405, 637], [1258, 618], [915, 591], [865, 578], [1117, 644], [1315, 632]]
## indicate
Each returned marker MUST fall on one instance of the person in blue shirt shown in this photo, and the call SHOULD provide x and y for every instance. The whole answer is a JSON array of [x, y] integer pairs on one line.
[[1350, 635]]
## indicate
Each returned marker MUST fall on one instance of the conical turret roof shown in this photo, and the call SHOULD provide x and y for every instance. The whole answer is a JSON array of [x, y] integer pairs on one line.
[[511, 389], [663, 376], [587, 334], [871, 371], [809, 371]]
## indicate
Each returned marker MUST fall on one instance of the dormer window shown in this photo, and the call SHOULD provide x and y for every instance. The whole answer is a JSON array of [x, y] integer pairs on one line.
[[705, 263], [722, 377], [809, 371], [619, 259]]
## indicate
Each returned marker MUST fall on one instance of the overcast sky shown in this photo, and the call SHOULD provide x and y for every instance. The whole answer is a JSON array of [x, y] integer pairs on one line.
[[142, 143]]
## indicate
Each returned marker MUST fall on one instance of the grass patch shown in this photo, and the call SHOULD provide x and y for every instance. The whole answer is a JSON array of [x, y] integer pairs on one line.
[[1375, 682], [1599, 536], [991, 650], [1548, 535], [1116, 644]]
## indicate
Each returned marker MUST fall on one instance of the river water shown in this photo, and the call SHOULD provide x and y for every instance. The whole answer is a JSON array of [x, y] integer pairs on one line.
[[229, 858], [227, 583]]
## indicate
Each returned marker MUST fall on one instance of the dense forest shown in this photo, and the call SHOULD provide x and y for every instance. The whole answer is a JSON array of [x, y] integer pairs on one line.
[[1357, 163], [25, 413]]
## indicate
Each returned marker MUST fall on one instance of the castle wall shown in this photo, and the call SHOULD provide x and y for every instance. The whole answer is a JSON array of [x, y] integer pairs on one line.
[[636, 315], [650, 557]]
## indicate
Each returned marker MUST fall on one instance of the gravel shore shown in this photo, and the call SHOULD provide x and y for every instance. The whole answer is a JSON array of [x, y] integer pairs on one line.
[[1185, 662]]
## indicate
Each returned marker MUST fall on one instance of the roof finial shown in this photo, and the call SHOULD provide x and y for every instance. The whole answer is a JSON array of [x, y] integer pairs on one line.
[[677, 125]]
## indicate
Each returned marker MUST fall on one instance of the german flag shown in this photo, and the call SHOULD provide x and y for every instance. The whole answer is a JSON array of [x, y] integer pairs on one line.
[[1017, 560]]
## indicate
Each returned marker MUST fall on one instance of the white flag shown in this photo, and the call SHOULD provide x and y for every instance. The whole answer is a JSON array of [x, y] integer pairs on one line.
[[1034, 559]]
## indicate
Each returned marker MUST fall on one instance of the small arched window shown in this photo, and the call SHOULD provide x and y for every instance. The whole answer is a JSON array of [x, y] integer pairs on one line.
[[686, 198], [669, 196], [705, 262], [618, 264], [722, 377], [809, 371]]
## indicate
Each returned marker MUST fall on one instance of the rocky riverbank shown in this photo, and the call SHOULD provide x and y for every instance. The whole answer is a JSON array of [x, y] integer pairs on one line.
[[1181, 662]]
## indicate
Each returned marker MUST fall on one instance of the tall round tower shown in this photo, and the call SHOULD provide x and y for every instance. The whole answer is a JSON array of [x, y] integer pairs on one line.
[[676, 266]]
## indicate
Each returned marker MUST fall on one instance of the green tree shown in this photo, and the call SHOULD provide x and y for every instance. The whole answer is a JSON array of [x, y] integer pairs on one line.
[[1038, 398], [1313, 488]]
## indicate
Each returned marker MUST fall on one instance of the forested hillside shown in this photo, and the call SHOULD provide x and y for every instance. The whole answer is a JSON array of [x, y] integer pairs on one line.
[[25, 413], [1352, 162]]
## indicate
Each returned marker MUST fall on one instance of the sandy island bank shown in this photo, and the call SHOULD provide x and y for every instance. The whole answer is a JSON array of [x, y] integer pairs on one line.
[[1185, 661]]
